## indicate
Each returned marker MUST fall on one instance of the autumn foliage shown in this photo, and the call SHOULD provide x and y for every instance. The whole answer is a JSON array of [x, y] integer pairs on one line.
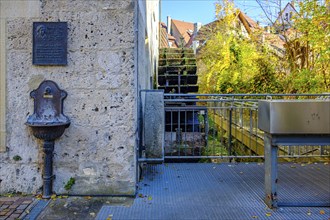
[[233, 62]]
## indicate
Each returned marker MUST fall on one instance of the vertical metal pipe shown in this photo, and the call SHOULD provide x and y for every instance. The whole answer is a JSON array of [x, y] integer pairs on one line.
[[229, 132], [48, 169]]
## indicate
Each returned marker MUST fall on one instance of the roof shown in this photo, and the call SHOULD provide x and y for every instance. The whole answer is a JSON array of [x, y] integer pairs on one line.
[[249, 23], [166, 40], [163, 35], [206, 30], [274, 40], [186, 29]]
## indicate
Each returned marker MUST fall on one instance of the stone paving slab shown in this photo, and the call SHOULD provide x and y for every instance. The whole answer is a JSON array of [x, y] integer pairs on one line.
[[14, 207], [82, 208]]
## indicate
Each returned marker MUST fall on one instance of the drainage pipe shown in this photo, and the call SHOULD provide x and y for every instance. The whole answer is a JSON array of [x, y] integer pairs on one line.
[[48, 169]]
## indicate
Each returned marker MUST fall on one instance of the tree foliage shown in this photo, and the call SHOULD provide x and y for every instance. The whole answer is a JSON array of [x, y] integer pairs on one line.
[[232, 62], [311, 47]]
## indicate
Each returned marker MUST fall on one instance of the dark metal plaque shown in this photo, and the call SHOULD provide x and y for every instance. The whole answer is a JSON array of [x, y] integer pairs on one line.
[[50, 43]]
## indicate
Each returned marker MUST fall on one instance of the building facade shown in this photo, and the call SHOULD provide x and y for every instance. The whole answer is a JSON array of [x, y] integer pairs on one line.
[[112, 54]]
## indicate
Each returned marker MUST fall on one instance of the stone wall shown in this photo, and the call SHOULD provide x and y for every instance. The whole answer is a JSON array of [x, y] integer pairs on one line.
[[99, 147]]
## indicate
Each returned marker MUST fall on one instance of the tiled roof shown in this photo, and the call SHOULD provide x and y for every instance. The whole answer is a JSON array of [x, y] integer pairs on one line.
[[163, 33], [186, 29], [166, 39], [274, 40], [250, 21], [249, 24], [206, 30]]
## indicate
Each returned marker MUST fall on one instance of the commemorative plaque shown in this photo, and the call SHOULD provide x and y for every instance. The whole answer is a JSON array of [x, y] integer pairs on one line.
[[50, 43]]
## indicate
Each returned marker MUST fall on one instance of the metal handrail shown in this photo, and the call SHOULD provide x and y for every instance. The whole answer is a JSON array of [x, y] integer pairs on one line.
[[240, 121]]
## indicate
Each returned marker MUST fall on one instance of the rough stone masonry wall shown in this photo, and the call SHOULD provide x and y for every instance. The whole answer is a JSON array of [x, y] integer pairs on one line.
[[98, 149]]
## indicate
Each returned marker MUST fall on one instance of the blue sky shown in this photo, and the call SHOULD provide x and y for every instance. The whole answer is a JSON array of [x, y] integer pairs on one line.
[[204, 10]]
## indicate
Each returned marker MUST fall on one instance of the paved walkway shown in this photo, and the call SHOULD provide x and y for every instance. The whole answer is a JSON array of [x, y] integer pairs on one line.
[[193, 191], [15, 207], [225, 192]]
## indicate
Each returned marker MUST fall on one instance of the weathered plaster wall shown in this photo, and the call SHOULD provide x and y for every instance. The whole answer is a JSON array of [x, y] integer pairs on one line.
[[148, 37], [98, 149], [152, 25]]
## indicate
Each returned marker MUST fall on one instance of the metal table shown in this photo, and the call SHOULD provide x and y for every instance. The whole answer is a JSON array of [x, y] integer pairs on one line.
[[288, 123]]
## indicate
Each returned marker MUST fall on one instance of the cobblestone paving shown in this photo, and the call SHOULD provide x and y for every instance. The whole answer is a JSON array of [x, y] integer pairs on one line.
[[12, 208]]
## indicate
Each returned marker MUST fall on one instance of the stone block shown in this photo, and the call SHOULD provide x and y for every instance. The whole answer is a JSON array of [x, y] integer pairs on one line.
[[153, 124]]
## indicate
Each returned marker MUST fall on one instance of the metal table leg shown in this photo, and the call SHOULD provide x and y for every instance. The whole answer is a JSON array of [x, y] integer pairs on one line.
[[270, 172]]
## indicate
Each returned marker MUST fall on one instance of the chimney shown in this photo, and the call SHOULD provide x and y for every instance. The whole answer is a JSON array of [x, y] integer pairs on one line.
[[169, 24], [195, 46], [197, 26]]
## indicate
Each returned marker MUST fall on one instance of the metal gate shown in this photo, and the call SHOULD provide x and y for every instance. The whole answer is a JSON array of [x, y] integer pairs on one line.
[[205, 128]]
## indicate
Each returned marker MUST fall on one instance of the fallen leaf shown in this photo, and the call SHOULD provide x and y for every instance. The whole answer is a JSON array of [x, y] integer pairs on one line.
[[268, 214], [322, 212], [254, 216], [53, 197], [88, 197], [293, 166], [52, 205], [27, 211], [109, 217], [326, 163], [65, 197], [140, 195], [303, 164], [149, 198]]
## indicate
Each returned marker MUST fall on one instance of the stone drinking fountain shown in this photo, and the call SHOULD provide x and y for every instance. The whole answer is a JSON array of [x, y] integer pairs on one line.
[[48, 123]]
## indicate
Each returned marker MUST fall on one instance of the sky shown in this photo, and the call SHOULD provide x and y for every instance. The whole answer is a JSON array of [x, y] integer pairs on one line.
[[204, 10]]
